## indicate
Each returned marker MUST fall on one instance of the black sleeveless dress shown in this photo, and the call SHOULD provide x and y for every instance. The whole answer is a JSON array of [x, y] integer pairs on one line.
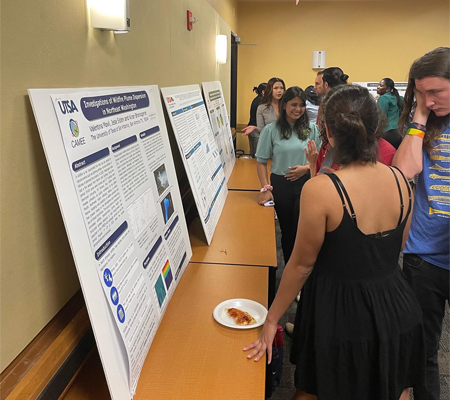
[[358, 330]]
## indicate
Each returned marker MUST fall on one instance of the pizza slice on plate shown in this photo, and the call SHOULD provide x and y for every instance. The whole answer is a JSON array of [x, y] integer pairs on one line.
[[240, 317]]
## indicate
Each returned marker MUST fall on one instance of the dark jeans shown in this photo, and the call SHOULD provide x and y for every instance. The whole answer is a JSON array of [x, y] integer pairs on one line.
[[431, 286], [286, 195]]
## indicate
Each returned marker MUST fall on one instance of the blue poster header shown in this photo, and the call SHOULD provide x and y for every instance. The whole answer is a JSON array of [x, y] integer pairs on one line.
[[110, 241], [91, 159], [108, 105]]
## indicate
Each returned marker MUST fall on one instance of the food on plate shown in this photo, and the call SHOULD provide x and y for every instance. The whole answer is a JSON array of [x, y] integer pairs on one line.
[[240, 317]]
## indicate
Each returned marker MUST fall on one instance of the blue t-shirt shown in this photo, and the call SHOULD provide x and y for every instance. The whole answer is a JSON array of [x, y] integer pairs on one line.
[[430, 224]]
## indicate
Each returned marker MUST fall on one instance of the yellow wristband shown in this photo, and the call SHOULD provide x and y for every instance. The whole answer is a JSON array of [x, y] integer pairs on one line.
[[415, 132]]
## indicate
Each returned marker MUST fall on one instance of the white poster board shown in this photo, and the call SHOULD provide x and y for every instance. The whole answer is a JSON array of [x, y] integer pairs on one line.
[[218, 116], [372, 87], [199, 152], [110, 160]]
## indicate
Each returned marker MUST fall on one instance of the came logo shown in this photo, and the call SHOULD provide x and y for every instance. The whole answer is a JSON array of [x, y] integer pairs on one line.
[[74, 128], [67, 106]]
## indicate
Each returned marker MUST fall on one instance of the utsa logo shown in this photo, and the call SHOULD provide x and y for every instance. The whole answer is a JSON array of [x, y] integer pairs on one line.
[[67, 106]]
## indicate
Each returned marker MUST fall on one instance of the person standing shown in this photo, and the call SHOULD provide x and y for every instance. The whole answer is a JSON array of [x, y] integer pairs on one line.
[[358, 330], [284, 142], [253, 139], [267, 111], [326, 80], [391, 104], [425, 150]]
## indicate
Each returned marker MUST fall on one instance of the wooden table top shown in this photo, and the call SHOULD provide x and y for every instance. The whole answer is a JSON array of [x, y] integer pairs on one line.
[[245, 234], [193, 356], [244, 176]]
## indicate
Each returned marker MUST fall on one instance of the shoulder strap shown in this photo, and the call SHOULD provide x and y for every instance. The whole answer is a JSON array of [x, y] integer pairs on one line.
[[407, 186], [342, 192], [401, 196]]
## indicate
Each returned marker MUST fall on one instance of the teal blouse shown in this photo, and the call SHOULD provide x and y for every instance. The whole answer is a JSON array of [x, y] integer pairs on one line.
[[284, 153]]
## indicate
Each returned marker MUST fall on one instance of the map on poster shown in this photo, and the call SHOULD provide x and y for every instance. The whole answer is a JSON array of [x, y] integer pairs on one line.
[[218, 116], [199, 152], [109, 155], [372, 87]]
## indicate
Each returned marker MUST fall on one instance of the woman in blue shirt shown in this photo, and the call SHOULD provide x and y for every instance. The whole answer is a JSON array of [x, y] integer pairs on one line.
[[284, 142]]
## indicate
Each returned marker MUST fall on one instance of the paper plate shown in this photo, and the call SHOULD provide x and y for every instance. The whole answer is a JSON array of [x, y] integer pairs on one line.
[[256, 310]]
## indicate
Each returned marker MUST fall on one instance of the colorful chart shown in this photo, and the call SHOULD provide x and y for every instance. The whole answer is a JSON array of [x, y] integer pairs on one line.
[[160, 291], [167, 272]]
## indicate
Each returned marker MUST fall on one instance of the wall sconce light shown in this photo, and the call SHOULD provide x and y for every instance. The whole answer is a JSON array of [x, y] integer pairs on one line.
[[110, 15], [319, 59], [221, 49]]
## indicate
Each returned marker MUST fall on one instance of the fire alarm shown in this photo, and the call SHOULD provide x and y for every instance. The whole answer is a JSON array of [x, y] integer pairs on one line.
[[190, 20], [189, 23]]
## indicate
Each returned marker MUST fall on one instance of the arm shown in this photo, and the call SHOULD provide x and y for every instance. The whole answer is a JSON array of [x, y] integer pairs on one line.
[[260, 118], [296, 172], [310, 237], [261, 169], [311, 154], [248, 129], [383, 103], [311, 151], [409, 154]]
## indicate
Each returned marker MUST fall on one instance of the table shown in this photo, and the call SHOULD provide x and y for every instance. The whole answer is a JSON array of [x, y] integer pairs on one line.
[[244, 175], [192, 356], [244, 235]]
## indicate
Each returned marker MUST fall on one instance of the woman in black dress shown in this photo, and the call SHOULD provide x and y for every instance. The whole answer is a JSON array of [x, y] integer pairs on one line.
[[358, 330]]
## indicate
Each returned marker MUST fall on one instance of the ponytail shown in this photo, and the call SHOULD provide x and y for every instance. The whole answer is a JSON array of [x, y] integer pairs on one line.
[[352, 116]]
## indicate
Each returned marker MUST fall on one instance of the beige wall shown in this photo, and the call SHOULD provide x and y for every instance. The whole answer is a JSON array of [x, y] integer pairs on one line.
[[48, 44], [369, 40], [227, 9]]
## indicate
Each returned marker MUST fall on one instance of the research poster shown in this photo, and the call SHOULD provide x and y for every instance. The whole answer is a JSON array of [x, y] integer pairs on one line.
[[199, 152], [372, 87], [218, 116], [116, 150]]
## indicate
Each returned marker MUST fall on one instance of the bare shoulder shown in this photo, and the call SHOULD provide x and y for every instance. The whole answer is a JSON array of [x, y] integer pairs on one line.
[[318, 183], [317, 190]]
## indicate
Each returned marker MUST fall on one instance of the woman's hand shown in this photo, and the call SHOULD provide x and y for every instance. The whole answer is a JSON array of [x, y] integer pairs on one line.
[[311, 152], [295, 172], [422, 111], [247, 130], [264, 343], [265, 197]]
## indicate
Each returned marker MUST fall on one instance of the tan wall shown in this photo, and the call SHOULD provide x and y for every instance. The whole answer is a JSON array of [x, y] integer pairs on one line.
[[48, 44], [227, 9], [368, 40]]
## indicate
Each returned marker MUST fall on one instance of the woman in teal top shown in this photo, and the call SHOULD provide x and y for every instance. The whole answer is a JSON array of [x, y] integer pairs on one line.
[[284, 141], [391, 104]]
